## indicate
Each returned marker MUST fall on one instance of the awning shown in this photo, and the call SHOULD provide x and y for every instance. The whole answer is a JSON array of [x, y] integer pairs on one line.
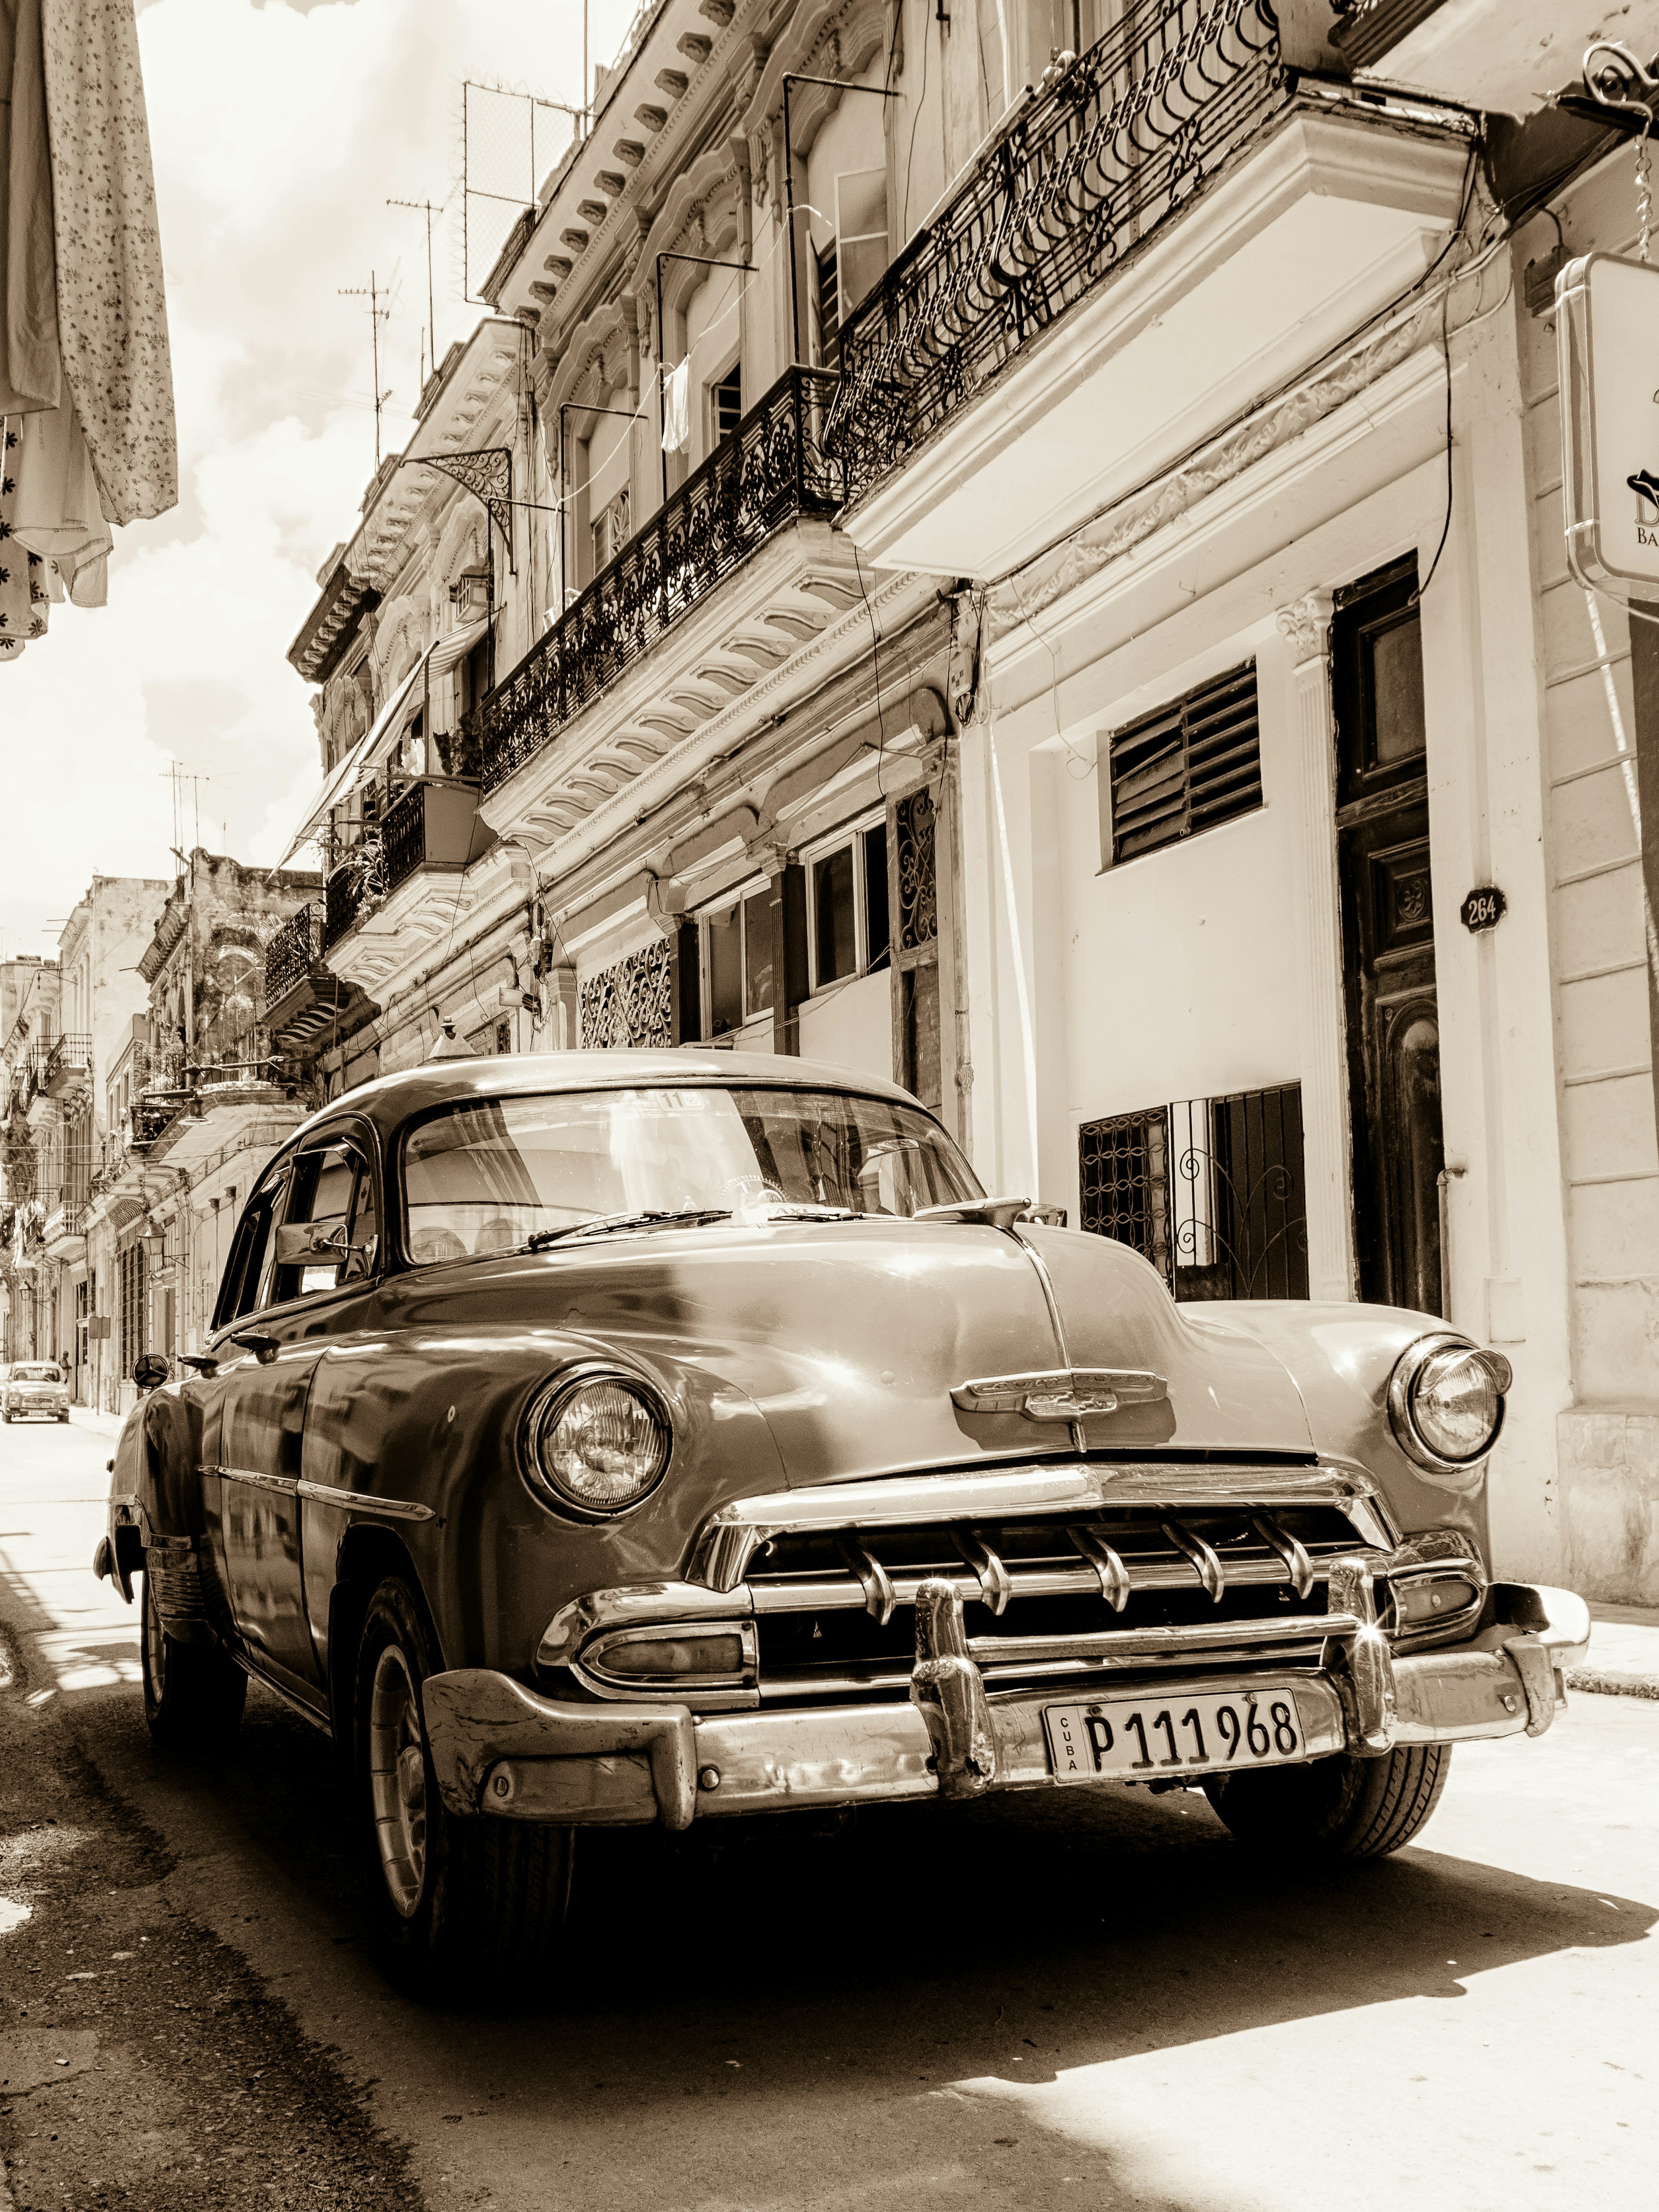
[[388, 727], [457, 645]]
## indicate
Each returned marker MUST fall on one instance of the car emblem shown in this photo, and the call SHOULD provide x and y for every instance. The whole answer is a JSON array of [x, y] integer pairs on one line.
[[1063, 1393]]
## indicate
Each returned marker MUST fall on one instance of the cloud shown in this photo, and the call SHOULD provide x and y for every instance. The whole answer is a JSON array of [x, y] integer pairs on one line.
[[279, 133]]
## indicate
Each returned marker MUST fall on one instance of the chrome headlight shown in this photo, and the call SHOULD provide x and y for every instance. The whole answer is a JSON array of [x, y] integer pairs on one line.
[[1446, 1404], [595, 1443]]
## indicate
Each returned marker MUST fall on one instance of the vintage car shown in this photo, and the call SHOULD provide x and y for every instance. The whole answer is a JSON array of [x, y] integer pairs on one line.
[[34, 1389], [607, 1438]]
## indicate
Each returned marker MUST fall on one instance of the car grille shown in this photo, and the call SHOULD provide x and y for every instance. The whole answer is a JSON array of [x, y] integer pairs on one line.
[[1131, 1588]]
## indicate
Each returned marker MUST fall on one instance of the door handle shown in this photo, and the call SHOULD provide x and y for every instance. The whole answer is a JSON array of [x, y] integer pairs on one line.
[[264, 1348]]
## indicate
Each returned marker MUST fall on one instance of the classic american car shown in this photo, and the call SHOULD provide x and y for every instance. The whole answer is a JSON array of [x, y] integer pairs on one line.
[[602, 1438]]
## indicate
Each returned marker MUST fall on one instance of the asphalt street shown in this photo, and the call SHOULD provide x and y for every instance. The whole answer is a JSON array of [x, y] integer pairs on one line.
[[1086, 1998]]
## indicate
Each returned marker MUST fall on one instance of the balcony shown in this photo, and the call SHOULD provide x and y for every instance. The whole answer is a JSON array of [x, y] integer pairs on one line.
[[302, 994], [1179, 223], [772, 472], [376, 912], [67, 1067], [1503, 56]]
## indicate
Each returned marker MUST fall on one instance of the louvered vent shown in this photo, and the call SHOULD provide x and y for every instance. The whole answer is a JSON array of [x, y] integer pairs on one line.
[[1188, 767]]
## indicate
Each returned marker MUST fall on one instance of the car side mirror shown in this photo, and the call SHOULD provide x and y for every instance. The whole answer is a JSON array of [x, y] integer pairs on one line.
[[150, 1371], [299, 1244], [1048, 1217]]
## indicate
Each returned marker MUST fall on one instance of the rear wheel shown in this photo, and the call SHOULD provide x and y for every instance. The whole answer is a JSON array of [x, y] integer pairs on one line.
[[193, 1693], [462, 1898], [1334, 1809]]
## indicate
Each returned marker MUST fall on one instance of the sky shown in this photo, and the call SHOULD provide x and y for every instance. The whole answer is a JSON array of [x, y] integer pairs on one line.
[[279, 130]]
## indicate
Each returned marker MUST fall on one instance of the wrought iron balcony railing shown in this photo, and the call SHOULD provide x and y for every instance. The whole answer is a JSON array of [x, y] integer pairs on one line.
[[1116, 144], [432, 824], [773, 468], [352, 886], [293, 951], [68, 1065]]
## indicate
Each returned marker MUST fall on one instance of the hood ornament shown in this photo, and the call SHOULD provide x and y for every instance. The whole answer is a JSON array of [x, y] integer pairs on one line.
[[1061, 1394]]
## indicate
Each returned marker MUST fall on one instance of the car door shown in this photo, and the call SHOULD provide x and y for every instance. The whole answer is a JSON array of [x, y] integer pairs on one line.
[[295, 1278]]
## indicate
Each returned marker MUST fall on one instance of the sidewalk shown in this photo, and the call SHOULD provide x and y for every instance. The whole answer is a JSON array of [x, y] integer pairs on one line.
[[1624, 1653]]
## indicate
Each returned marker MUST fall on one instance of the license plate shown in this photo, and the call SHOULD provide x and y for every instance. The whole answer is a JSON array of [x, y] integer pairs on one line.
[[1144, 1737]]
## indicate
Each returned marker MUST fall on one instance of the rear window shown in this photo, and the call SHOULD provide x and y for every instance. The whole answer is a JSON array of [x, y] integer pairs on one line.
[[37, 1375]]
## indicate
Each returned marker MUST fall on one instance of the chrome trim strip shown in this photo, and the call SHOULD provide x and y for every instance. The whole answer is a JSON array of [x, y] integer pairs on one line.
[[730, 1537], [283, 1484], [1115, 1647], [359, 1501]]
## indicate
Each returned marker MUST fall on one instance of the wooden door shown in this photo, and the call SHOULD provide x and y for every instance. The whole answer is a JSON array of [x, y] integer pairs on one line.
[[1387, 930]]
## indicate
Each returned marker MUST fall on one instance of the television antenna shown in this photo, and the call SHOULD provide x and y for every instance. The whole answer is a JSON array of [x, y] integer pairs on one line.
[[377, 315], [426, 208]]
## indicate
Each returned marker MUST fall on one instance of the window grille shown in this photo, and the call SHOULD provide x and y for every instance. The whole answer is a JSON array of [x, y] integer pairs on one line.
[[1211, 1190], [1189, 767], [628, 1005]]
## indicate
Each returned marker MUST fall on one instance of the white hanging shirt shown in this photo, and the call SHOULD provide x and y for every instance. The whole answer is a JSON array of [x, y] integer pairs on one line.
[[677, 407]]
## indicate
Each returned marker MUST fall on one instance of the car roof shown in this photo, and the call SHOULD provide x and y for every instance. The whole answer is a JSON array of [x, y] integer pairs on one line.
[[391, 1100]]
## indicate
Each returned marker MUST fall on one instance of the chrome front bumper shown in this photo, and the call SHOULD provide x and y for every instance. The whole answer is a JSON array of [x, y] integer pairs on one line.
[[500, 1749]]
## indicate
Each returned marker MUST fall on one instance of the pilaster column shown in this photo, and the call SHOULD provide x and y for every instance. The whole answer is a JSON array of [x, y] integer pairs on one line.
[[1328, 1153]]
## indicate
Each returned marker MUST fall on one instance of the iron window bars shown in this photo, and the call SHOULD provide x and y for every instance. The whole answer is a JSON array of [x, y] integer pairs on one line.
[[772, 472], [1191, 766], [1083, 174], [1211, 1190]]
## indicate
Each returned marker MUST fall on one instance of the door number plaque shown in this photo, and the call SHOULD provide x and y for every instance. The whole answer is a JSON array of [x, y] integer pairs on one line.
[[1484, 908]]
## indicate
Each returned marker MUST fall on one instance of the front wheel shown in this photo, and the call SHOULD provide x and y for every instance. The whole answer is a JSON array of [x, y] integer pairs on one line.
[[1334, 1808], [193, 1693], [461, 1898]]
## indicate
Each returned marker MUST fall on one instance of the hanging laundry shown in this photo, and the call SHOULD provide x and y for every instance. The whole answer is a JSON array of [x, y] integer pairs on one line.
[[55, 505], [23, 599], [30, 376], [111, 310], [677, 407]]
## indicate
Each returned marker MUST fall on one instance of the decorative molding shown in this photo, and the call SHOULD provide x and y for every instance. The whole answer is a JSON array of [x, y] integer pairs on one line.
[[1306, 623], [1129, 523]]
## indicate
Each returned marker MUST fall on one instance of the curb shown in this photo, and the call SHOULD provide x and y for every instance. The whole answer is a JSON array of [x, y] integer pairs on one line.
[[1613, 1685]]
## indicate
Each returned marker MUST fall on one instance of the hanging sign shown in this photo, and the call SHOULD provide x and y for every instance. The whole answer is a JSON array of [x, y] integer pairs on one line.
[[1606, 335]]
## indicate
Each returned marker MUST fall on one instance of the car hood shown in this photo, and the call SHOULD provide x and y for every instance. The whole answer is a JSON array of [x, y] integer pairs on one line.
[[849, 1337]]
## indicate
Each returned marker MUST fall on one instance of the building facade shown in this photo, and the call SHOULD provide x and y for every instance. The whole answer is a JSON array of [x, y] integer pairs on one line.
[[1023, 553], [193, 1097]]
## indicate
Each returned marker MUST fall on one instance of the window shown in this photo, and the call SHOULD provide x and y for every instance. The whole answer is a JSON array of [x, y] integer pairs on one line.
[[485, 1175], [611, 529], [725, 403], [1377, 680], [736, 962], [847, 923], [1189, 767], [1209, 1190], [860, 234], [130, 1292], [827, 304], [253, 1252]]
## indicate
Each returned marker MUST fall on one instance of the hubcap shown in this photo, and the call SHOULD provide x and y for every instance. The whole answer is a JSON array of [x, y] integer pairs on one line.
[[397, 1780]]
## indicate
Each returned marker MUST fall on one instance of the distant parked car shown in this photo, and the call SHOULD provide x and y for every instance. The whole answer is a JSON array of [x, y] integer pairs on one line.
[[35, 1390], [608, 1437]]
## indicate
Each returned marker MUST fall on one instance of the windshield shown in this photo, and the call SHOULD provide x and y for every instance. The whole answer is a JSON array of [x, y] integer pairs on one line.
[[36, 1375], [487, 1175]]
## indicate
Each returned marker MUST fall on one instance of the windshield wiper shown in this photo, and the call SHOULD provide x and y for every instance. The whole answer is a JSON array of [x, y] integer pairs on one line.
[[653, 1218]]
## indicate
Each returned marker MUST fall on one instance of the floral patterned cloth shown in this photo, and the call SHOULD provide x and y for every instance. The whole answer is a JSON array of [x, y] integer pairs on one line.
[[23, 600], [111, 310]]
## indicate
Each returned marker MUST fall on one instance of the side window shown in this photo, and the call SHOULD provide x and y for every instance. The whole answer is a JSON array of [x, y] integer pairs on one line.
[[248, 1270], [323, 1179], [360, 1259]]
